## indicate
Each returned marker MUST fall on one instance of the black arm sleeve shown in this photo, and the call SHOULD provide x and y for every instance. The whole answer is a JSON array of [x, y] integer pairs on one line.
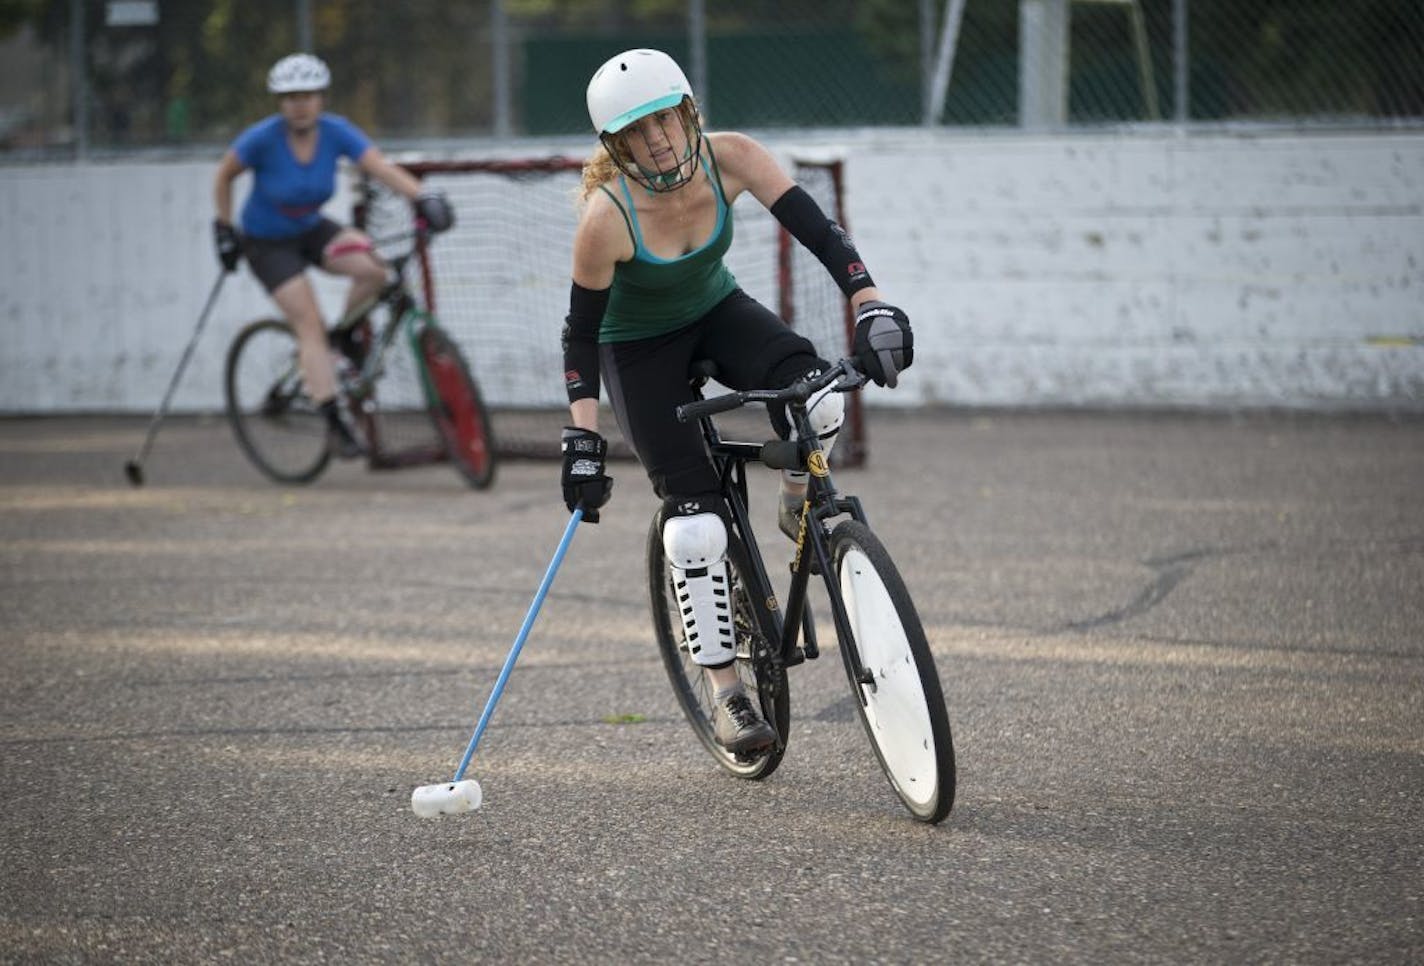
[[799, 214], [586, 307]]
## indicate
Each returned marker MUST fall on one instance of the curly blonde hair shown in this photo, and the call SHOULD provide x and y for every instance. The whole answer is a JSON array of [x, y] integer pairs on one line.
[[598, 169]]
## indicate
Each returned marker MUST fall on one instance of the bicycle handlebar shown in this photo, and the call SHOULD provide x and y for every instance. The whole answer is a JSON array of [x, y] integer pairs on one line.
[[687, 412], [799, 391], [419, 236]]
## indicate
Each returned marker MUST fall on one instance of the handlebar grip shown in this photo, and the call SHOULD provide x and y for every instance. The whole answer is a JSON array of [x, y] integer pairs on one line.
[[782, 454], [687, 412]]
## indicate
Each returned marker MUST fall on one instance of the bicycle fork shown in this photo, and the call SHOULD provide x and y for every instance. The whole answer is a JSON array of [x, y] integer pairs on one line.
[[822, 502]]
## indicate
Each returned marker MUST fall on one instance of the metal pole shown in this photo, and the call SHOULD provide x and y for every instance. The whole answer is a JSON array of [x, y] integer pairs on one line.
[[926, 21], [304, 26], [79, 96], [499, 63], [1043, 64], [944, 60], [1182, 109], [697, 44], [1145, 74]]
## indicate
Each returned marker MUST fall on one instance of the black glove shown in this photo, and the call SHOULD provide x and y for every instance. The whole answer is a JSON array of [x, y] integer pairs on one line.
[[435, 211], [585, 483], [228, 243], [884, 345]]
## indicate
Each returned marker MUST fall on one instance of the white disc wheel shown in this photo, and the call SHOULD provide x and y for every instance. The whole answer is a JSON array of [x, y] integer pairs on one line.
[[896, 686]]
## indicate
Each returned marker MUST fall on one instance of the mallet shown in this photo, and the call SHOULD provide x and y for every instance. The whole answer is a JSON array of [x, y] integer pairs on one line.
[[133, 469], [461, 794]]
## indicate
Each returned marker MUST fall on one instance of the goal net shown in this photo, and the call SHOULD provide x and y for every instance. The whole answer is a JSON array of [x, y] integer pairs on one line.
[[499, 283]]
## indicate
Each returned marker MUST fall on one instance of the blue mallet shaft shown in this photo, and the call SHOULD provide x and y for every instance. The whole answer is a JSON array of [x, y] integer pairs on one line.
[[499, 683]]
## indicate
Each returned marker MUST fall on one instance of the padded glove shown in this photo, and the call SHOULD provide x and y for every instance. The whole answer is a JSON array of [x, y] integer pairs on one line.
[[434, 209], [884, 345], [585, 482], [228, 243]]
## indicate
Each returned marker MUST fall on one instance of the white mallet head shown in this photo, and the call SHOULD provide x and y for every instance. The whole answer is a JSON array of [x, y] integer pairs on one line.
[[449, 798]]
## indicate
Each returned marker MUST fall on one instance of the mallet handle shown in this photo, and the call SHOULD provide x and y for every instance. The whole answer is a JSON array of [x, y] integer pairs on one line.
[[499, 683]]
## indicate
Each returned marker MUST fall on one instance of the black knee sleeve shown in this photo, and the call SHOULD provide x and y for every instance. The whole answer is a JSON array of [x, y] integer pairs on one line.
[[688, 504]]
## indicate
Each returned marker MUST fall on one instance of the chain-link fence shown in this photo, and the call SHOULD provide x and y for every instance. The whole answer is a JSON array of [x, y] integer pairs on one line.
[[80, 76]]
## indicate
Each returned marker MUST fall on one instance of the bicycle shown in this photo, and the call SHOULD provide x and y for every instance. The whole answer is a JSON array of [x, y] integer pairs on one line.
[[887, 659], [281, 431]]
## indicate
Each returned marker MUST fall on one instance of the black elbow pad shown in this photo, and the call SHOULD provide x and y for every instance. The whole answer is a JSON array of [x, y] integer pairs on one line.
[[580, 341], [799, 214]]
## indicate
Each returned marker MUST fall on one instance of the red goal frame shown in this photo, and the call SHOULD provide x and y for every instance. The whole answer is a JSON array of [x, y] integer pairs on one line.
[[851, 448]]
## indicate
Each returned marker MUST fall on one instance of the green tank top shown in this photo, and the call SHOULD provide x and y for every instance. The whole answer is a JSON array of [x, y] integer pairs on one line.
[[652, 295]]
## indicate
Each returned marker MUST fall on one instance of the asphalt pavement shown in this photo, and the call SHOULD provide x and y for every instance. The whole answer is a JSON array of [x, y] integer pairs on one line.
[[1183, 656]]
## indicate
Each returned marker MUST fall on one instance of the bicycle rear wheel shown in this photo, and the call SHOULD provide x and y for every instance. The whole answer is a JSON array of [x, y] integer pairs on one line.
[[276, 424], [757, 632], [899, 697], [456, 407]]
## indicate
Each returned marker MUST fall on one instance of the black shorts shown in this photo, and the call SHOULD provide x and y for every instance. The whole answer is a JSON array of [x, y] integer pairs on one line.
[[274, 260], [646, 379]]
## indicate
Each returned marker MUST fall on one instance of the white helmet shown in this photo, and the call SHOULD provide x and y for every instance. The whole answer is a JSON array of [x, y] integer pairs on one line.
[[634, 84], [298, 72]]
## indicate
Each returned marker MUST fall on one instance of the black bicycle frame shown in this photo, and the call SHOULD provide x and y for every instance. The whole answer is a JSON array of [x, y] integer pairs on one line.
[[395, 295], [397, 298], [822, 502]]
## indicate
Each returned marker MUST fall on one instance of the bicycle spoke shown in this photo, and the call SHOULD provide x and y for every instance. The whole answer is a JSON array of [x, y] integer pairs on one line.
[[275, 423]]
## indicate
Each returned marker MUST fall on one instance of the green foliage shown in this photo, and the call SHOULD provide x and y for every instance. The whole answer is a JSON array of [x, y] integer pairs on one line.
[[423, 67], [14, 14]]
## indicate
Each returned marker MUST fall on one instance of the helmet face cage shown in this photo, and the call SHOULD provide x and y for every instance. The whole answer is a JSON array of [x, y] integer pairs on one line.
[[659, 179]]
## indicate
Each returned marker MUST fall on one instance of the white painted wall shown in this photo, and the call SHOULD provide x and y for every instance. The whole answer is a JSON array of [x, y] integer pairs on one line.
[[1129, 270], [1209, 270]]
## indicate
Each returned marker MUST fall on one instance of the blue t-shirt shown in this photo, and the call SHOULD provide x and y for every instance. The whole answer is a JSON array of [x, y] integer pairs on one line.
[[287, 195]]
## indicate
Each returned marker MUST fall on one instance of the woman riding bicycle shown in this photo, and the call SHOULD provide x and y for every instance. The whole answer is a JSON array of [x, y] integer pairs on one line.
[[651, 294], [293, 156]]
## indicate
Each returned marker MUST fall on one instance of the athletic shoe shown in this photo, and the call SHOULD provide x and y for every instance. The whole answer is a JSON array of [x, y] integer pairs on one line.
[[738, 727], [788, 518], [352, 341]]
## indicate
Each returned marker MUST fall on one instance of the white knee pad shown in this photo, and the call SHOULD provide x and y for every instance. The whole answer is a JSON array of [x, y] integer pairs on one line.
[[696, 549], [826, 410]]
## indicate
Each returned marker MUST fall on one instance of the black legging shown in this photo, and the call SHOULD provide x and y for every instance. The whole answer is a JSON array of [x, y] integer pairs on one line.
[[647, 379]]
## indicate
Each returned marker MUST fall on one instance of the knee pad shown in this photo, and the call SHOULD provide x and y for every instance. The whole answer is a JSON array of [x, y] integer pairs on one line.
[[696, 549], [348, 242], [694, 541], [826, 409]]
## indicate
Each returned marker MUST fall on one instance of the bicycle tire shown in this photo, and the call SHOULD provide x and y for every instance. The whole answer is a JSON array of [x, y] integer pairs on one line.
[[757, 632], [456, 407], [903, 713], [277, 426]]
